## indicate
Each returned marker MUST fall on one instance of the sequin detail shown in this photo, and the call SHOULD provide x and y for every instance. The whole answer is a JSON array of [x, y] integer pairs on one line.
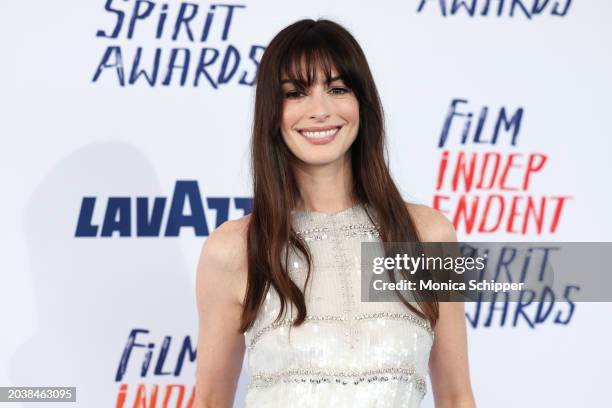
[[348, 352], [348, 231], [343, 377], [313, 233], [366, 316]]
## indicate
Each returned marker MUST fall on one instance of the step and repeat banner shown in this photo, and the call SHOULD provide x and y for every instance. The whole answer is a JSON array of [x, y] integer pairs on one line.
[[124, 144]]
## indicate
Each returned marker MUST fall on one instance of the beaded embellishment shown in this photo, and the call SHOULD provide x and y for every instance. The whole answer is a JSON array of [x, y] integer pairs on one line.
[[343, 377], [313, 234], [340, 254], [348, 231], [366, 316]]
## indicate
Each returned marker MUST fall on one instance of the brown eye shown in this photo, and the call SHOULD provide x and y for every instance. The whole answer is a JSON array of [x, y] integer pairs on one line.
[[339, 91], [292, 94]]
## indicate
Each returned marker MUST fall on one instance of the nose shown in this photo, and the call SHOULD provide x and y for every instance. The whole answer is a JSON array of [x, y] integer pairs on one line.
[[319, 107]]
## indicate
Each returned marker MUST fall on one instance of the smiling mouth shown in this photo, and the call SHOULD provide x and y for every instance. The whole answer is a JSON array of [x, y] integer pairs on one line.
[[320, 134]]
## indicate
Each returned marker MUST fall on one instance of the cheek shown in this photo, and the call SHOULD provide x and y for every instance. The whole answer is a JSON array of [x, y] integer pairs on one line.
[[350, 111], [288, 118]]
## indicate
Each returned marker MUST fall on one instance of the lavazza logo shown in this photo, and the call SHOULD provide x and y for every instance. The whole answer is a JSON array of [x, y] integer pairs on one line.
[[151, 212]]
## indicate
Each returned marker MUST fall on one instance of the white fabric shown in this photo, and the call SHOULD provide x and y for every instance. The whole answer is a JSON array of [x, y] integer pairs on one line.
[[349, 340]]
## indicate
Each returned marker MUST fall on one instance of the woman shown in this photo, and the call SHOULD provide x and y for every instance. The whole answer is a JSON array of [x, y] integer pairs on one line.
[[283, 282]]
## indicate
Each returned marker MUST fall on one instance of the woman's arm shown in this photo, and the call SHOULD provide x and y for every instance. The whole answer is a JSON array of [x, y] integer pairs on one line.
[[220, 277], [448, 361]]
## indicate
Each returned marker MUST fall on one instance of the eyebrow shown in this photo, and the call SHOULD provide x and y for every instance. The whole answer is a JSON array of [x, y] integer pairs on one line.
[[337, 77]]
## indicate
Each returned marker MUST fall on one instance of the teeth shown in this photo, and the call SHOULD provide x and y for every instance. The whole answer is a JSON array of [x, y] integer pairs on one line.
[[319, 135]]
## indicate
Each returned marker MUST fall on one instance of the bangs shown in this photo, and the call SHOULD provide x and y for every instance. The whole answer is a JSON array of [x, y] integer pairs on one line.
[[308, 57]]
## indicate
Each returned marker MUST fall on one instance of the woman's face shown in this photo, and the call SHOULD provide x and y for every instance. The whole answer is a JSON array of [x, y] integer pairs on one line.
[[320, 124]]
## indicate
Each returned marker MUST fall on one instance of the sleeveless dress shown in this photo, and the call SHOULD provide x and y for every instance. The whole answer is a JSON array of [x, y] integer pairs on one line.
[[347, 353]]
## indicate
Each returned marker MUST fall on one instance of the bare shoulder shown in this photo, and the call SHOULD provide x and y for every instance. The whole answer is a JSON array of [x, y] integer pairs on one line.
[[227, 239], [223, 258], [432, 225]]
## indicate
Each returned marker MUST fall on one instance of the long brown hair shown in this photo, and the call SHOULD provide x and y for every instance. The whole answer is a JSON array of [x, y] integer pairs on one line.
[[298, 51]]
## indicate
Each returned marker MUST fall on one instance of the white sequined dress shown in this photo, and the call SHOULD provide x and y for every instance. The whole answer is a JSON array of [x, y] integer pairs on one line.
[[348, 353]]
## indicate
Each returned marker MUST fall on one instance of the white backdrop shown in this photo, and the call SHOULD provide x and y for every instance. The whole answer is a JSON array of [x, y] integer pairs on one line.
[[78, 144]]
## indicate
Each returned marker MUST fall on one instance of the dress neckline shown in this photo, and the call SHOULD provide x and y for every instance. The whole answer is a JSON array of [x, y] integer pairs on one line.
[[327, 215]]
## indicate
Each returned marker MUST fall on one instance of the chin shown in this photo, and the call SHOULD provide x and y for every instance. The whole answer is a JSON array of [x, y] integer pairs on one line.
[[317, 155], [320, 159]]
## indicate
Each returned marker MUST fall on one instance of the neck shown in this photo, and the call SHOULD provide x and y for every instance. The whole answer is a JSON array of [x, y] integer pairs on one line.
[[326, 188]]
